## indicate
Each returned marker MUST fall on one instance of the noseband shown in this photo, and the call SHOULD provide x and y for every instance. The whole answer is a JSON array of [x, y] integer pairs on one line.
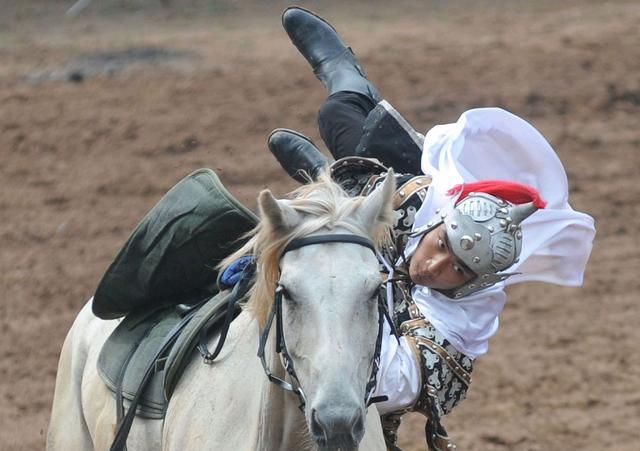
[[276, 312]]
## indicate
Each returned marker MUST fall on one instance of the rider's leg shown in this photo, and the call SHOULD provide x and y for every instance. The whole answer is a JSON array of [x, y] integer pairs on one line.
[[341, 119], [353, 120], [351, 95]]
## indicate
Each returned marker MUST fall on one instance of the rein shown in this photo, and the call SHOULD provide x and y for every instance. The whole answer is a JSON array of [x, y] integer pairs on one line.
[[281, 347]]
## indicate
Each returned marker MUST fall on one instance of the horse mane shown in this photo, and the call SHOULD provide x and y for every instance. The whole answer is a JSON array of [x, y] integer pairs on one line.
[[324, 205]]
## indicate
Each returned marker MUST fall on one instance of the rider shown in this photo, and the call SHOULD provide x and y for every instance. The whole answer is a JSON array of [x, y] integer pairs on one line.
[[456, 231]]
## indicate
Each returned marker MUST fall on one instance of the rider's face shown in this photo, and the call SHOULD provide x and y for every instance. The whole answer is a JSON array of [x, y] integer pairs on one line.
[[434, 264]]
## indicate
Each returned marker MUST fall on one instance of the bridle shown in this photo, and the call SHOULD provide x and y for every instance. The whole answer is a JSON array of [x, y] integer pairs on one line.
[[281, 347], [124, 426]]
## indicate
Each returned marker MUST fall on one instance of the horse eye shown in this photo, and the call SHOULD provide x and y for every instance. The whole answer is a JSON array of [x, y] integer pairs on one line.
[[290, 300], [284, 293]]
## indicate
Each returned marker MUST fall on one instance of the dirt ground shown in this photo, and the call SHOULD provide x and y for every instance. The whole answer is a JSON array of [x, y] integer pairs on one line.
[[102, 113]]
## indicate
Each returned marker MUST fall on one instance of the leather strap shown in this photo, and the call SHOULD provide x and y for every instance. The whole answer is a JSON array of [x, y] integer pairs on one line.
[[437, 437], [407, 190], [119, 396], [321, 239], [120, 440], [371, 184], [365, 164], [375, 363], [232, 306], [277, 302]]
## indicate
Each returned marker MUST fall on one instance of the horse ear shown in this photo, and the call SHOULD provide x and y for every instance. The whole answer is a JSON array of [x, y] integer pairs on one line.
[[377, 208], [280, 216]]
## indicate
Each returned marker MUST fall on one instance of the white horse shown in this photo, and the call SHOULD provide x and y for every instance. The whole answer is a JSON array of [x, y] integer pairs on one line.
[[330, 321]]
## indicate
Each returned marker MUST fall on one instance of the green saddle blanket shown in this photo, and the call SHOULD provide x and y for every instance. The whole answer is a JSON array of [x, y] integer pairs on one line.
[[173, 252], [132, 348]]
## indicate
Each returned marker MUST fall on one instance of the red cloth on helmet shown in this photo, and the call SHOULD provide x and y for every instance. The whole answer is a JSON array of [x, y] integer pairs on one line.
[[516, 193]]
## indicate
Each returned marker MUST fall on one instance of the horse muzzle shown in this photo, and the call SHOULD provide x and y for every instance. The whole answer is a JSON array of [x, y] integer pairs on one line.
[[337, 428]]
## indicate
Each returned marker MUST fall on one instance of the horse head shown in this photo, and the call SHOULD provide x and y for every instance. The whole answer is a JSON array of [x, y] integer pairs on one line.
[[329, 298]]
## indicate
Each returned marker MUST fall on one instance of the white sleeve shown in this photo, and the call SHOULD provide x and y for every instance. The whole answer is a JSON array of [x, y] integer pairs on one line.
[[398, 375]]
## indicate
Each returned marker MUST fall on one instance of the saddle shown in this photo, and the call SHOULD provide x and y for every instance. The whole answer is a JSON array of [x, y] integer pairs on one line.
[[134, 347], [165, 283]]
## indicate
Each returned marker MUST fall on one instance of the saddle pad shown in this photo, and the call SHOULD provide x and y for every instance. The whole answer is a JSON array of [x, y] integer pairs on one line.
[[130, 349]]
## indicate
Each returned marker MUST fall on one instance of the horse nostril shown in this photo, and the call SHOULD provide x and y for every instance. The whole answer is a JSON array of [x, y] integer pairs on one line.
[[317, 429], [357, 427], [337, 428]]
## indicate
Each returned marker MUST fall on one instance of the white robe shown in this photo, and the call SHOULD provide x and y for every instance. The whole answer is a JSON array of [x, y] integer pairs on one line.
[[489, 143]]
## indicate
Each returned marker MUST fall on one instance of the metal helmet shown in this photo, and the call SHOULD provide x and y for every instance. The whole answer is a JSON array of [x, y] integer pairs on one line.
[[484, 233]]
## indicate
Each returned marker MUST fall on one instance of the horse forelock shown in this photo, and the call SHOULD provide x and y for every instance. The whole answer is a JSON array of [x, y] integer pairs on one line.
[[324, 205]]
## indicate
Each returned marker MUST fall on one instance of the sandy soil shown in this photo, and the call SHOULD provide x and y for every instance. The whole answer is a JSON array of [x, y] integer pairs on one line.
[[88, 145]]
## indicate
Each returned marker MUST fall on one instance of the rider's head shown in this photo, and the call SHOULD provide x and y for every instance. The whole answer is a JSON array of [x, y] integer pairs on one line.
[[464, 248]]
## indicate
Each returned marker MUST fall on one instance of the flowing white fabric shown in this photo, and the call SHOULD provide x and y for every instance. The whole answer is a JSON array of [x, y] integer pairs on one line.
[[491, 143]]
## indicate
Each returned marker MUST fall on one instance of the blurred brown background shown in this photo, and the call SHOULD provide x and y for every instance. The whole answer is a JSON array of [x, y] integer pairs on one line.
[[103, 112]]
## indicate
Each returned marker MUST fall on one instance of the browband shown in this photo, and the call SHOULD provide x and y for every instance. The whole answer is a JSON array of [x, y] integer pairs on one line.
[[338, 238]]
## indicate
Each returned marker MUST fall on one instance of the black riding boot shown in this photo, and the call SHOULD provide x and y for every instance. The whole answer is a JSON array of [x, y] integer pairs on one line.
[[333, 63], [297, 154], [349, 124]]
